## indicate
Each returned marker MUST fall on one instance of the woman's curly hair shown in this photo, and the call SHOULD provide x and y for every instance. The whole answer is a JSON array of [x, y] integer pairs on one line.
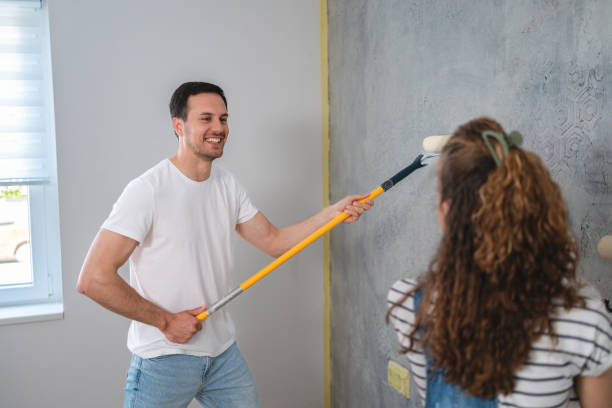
[[506, 258]]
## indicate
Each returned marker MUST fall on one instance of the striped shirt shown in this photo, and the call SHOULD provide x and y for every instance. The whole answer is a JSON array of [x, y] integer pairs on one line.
[[547, 378]]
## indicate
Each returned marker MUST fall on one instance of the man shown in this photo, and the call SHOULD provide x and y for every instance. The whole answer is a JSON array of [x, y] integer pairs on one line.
[[174, 223]]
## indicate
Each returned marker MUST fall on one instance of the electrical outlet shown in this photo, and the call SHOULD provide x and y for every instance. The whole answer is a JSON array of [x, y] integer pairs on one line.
[[398, 377]]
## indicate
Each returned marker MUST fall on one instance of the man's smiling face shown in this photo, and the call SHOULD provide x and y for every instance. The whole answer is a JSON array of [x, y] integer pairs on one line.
[[205, 129]]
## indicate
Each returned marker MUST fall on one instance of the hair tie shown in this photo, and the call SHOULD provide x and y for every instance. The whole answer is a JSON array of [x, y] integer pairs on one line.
[[514, 139]]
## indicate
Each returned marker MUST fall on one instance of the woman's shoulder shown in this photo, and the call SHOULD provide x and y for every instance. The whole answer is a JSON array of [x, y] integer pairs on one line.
[[594, 308]]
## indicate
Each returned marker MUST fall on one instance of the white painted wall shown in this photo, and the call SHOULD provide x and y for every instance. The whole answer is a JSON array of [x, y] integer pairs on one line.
[[115, 66]]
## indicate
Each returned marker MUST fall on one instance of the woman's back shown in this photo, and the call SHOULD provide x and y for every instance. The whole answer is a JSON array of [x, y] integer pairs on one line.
[[546, 379]]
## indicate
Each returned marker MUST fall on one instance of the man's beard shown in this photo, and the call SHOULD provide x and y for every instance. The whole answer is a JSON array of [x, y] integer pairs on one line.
[[208, 157], [203, 155]]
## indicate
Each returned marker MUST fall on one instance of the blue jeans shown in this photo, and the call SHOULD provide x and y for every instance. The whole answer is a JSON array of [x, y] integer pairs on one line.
[[173, 381]]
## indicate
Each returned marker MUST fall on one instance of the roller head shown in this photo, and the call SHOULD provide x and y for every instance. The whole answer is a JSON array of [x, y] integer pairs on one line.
[[434, 144], [605, 247]]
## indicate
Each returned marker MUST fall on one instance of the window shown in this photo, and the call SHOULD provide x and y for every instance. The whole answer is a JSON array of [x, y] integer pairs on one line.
[[30, 274]]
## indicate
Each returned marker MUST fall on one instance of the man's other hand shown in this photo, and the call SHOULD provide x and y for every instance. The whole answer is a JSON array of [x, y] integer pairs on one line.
[[180, 327]]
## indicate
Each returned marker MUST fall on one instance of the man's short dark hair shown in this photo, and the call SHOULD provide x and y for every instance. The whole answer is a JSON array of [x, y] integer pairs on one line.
[[178, 102]]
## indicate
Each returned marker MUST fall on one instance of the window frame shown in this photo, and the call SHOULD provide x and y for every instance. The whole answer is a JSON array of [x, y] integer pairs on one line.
[[41, 300]]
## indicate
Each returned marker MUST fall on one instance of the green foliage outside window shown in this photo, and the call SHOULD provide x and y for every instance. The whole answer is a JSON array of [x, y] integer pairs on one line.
[[9, 192]]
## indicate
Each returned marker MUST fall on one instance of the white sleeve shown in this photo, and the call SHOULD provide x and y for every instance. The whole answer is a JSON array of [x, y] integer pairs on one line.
[[246, 209], [132, 213], [600, 358]]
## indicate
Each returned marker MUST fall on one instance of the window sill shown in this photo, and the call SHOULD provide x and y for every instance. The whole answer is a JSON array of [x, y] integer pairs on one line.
[[31, 313]]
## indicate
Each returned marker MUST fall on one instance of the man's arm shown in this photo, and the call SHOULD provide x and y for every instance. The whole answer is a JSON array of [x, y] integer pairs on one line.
[[595, 392], [100, 281], [262, 234]]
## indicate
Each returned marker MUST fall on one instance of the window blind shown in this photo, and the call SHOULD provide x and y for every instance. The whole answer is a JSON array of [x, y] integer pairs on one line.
[[26, 133]]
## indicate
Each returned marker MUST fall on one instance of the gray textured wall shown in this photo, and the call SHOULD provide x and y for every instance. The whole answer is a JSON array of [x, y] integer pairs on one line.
[[401, 70]]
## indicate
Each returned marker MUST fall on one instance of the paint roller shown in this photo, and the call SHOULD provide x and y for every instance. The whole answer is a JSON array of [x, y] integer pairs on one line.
[[605, 251], [434, 144], [431, 144], [605, 247]]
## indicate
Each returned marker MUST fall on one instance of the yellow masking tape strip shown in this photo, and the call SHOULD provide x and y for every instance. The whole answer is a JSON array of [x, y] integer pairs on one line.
[[325, 183]]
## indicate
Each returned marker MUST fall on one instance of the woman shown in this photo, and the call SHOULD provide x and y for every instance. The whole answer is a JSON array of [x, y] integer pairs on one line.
[[505, 320]]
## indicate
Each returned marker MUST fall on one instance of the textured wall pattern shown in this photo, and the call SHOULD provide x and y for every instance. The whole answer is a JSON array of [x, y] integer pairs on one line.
[[402, 70]]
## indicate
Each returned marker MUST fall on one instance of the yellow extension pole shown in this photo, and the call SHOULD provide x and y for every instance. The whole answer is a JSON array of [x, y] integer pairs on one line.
[[307, 241], [303, 244], [297, 248]]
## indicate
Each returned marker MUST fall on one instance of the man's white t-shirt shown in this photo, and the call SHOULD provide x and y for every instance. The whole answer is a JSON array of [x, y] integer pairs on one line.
[[184, 257]]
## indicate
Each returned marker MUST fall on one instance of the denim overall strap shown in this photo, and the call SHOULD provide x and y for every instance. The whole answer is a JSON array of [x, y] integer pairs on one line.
[[440, 394]]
